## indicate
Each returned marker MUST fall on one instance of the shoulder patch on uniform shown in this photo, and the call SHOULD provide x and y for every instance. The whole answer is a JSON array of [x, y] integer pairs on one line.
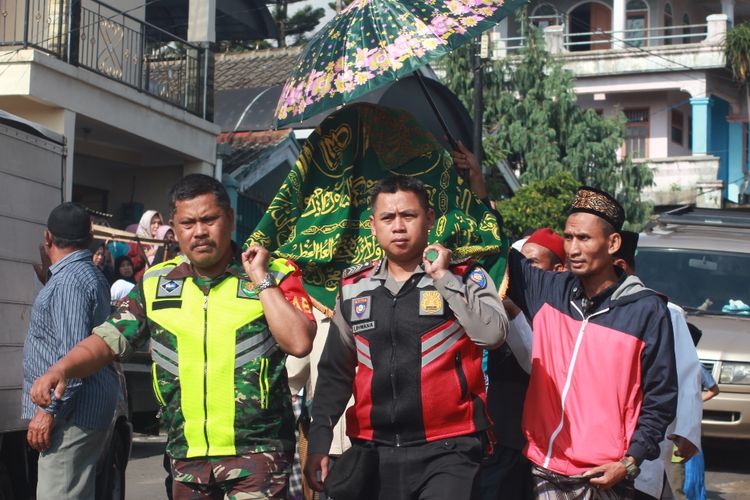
[[169, 288], [351, 271], [478, 276]]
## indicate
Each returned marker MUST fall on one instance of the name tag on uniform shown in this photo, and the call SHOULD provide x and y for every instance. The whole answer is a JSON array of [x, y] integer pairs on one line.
[[363, 327], [360, 309], [169, 288], [430, 303]]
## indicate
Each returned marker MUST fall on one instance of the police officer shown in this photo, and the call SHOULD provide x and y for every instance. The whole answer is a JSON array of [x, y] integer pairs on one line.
[[407, 338], [220, 325]]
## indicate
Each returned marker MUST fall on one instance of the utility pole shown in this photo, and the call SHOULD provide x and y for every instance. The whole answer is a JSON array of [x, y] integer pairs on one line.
[[477, 98]]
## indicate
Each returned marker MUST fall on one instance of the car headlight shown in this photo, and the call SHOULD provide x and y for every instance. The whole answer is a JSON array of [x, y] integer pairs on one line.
[[735, 373]]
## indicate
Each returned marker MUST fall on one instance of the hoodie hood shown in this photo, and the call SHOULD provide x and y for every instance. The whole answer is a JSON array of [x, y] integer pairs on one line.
[[630, 290]]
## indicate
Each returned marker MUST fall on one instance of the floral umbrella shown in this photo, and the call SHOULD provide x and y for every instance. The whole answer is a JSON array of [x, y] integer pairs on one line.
[[373, 42]]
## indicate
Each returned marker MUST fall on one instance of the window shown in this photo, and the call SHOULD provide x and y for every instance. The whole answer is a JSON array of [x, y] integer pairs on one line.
[[678, 127], [686, 31], [667, 24], [636, 23], [545, 15], [636, 132], [723, 276]]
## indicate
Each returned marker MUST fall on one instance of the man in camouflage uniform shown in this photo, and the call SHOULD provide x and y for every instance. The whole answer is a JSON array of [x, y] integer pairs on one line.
[[220, 326]]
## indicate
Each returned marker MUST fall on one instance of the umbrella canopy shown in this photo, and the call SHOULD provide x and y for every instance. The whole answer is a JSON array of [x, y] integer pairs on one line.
[[373, 42], [253, 108]]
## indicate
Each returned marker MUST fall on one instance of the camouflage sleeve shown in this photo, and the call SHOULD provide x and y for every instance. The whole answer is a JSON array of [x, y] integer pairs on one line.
[[126, 327], [474, 300]]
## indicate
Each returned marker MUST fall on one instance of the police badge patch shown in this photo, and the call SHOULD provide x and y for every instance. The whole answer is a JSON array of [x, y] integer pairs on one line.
[[360, 309], [478, 277], [430, 303], [246, 290], [169, 288]]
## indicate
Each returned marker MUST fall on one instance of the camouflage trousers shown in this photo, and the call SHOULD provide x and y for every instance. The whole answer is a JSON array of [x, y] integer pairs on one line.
[[245, 477]]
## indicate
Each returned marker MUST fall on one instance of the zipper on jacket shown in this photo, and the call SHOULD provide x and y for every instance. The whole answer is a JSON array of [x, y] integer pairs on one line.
[[205, 370], [464, 385], [568, 379], [392, 369]]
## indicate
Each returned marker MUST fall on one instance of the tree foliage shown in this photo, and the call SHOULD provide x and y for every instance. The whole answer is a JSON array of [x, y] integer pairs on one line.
[[737, 50], [300, 23], [532, 120], [540, 203]]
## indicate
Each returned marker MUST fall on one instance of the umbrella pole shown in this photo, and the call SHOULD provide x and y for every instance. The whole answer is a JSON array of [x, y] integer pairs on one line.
[[427, 95]]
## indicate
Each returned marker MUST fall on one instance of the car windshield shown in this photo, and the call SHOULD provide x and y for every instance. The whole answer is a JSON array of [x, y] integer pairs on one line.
[[698, 280]]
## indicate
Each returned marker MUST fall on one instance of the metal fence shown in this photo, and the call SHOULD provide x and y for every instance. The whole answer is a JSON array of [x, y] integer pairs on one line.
[[637, 37], [115, 44], [604, 40]]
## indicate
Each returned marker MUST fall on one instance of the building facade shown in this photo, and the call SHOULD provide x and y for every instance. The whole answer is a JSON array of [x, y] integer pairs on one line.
[[131, 99], [661, 63]]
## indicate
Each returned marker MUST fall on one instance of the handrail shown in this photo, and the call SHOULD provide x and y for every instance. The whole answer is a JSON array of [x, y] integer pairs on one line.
[[611, 35], [145, 23]]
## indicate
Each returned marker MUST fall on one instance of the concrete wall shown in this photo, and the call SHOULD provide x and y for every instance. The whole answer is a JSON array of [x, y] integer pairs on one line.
[[676, 179]]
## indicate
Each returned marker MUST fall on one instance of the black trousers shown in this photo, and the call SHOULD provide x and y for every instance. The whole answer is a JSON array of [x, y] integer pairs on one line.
[[441, 470]]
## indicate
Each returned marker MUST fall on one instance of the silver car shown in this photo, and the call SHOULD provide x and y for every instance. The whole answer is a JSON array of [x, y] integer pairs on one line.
[[700, 259]]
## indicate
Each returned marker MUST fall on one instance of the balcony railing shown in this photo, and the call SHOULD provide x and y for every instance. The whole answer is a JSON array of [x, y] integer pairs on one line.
[[638, 37], [100, 38], [605, 40]]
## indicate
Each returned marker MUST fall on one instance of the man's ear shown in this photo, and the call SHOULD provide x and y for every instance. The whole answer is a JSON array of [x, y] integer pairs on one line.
[[48, 238], [430, 218], [615, 242], [372, 226], [231, 217]]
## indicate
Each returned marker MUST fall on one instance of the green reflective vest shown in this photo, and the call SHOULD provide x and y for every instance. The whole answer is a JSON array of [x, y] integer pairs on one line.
[[217, 369]]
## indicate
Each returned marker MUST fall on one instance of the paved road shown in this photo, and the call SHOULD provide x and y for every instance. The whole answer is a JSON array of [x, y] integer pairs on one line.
[[727, 470], [727, 474]]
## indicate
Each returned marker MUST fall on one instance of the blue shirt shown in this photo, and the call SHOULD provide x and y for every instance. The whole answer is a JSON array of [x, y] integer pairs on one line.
[[707, 379], [74, 301]]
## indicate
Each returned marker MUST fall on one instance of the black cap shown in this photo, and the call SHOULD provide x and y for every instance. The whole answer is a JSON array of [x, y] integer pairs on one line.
[[69, 221], [597, 202]]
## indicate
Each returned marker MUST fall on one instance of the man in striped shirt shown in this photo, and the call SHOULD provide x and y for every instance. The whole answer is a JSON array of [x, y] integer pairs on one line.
[[70, 433]]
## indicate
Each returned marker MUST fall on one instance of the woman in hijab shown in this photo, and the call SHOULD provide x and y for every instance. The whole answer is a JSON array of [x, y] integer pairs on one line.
[[124, 279], [142, 254], [170, 248], [103, 261]]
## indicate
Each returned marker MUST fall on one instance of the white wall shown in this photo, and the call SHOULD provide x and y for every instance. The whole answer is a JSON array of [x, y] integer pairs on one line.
[[660, 106]]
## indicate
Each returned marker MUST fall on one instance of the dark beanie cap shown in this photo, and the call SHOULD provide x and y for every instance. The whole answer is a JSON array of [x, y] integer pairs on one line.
[[69, 221]]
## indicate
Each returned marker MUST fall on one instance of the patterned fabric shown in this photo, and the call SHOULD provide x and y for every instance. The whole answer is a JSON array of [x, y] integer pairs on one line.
[[320, 217], [263, 419], [551, 486], [72, 303], [295, 478], [373, 42], [596, 202], [251, 476]]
